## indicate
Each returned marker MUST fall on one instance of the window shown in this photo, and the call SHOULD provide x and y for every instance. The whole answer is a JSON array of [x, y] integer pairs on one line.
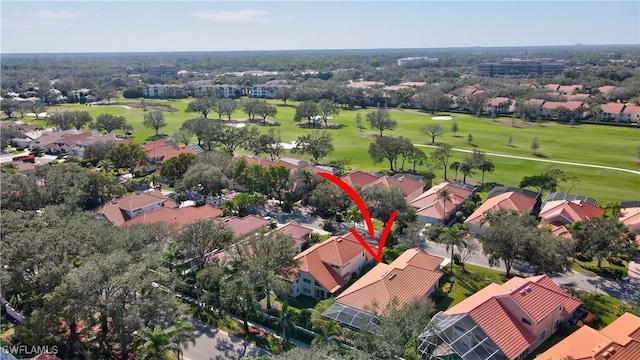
[[526, 321], [543, 335], [318, 284], [306, 290], [307, 281], [555, 324]]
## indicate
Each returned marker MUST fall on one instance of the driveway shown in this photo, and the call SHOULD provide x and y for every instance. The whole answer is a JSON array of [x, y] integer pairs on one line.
[[216, 344]]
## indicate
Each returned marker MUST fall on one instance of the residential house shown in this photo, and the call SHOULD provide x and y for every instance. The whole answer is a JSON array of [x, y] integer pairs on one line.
[[178, 217], [41, 142], [630, 215], [431, 209], [569, 89], [300, 234], [535, 104], [619, 340], [119, 211], [244, 226], [500, 322], [160, 151], [471, 90], [412, 276], [162, 69], [262, 91], [80, 94], [359, 178], [631, 113], [611, 112], [576, 97], [410, 187], [325, 268], [552, 87], [90, 99], [605, 89], [79, 147], [365, 84], [511, 200], [498, 105], [566, 212], [266, 163], [162, 90], [549, 107]]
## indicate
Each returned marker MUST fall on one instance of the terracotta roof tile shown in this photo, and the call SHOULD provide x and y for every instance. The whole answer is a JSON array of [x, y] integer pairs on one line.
[[564, 212], [245, 225], [498, 101], [552, 87], [620, 340], [359, 178], [576, 97], [180, 217], [606, 88], [509, 201], [114, 211], [266, 163], [429, 205], [506, 331], [631, 218], [569, 88], [412, 275], [612, 108], [165, 150], [552, 105], [407, 185], [298, 233], [337, 250], [632, 109]]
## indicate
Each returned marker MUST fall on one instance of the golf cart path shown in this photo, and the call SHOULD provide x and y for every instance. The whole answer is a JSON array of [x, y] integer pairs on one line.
[[635, 172]]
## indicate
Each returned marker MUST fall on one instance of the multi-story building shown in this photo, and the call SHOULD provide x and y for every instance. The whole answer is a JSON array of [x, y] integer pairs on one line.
[[415, 60], [523, 66]]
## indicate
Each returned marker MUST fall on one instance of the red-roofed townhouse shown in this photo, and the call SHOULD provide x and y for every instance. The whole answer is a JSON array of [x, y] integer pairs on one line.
[[630, 216], [359, 178], [78, 149], [505, 321], [412, 276], [576, 97], [552, 87], [611, 112], [550, 106], [498, 105], [619, 340], [119, 211], [569, 89], [300, 234], [565, 212], [509, 201], [244, 226], [266, 163], [178, 217], [325, 268], [605, 89], [430, 208], [631, 113], [160, 151], [411, 188]]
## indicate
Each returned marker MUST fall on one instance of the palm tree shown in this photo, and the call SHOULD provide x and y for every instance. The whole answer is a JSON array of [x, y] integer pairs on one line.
[[328, 332], [612, 210], [486, 165], [285, 323], [106, 165], [354, 215], [158, 341], [453, 237], [444, 194], [455, 166]]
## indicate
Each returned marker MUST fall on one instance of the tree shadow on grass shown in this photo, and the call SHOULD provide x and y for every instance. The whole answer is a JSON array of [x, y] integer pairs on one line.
[[157, 137], [541, 155]]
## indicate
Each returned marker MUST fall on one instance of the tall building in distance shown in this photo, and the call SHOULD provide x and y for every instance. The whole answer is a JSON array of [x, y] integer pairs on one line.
[[516, 66], [417, 60]]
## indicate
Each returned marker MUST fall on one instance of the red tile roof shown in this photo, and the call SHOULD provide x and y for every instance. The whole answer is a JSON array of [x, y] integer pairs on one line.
[[571, 105], [429, 205], [612, 108], [606, 89], [180, 217], [631, 218], [576, 97], [72, 139], [359, 178], [538, 296], [552, 87], [509, 201], [408, 186], [535, 102], [569, 88], [266, 163], [498, 101], [165, 150], [506, 331], [114, 210], [337, 250], [620, 340], [631, 109], [411, 276], [564, 212], [245, 225], [298, 233]]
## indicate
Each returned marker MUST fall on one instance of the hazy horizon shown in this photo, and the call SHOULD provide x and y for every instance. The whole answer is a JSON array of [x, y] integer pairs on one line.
[[58, 27]]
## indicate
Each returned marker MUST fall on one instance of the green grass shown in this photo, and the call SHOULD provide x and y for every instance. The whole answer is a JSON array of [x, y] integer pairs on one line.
[[467, 283], [607, 269], [592, 144], [605, 308]]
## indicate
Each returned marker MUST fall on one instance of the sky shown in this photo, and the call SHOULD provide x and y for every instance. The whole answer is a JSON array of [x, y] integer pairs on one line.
[[148, 26]]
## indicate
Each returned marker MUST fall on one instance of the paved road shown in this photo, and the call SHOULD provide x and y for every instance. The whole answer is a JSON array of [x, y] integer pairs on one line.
[[626, 291], [544, 160], [216, 344]]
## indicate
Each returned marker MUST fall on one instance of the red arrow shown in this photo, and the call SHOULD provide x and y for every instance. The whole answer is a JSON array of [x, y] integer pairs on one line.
[[365, 215]]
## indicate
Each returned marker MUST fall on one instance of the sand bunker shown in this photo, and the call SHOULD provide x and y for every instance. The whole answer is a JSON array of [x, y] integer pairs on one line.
[[289, 145], [442, 118]]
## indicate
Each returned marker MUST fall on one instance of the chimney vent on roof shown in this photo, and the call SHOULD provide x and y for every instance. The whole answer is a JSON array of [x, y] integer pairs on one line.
[[612, 350], [392, 276], [339, 239]]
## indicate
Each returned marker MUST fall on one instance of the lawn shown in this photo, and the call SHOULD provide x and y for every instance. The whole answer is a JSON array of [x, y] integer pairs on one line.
[[592, 144], [467, 283], [607, 269]]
